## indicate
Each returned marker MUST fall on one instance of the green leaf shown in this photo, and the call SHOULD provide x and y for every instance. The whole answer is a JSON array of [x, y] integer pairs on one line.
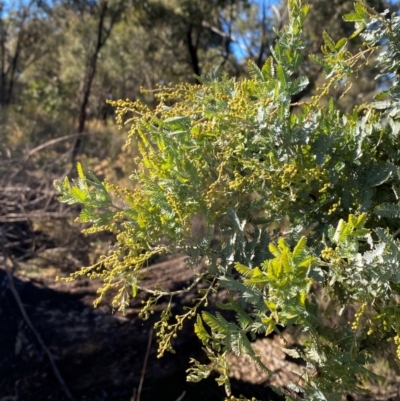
[[177, 119], [268, 69], [354, 17], [254, 71], [361, 27], [79, 168], [270, 305], [283, 246], [340, 44], [200, 330], [66, 184], [274, 250], [328, 41], [339, 230], [250, 351], [318, 60], [298, 85], [378, 175], [299, 249], [382, 95], [257, 272], [216, 323], [244, 270], [85, 216], [58, 185], [134, 287], [282, 76], [391, 210], [361, 220], [243, 318], [359, 8], [275, 268], [79, 194]]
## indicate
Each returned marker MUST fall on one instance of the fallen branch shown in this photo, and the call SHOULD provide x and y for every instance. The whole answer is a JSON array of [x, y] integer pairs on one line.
[[15, 217], [56, 140]]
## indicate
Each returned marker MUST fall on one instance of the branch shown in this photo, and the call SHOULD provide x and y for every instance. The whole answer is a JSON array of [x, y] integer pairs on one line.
[[56, 140], [177, 292], [216, 30]]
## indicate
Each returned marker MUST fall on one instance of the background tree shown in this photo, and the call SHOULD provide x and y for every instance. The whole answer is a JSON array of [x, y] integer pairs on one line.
[[20, 30]]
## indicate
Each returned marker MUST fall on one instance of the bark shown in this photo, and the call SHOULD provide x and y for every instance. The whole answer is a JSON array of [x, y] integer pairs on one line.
[[2, 63], [13, 68], [89, 76], [8, 74], [192, 47], [260, 57]]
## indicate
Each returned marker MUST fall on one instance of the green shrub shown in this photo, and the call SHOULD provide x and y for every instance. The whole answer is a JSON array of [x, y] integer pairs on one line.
[[302, 201]]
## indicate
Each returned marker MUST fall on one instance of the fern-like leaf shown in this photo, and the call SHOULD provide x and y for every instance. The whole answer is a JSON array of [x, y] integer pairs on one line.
[[243, 270], [200, 330], [391, 210], [243, 318], [254, 71], [299, 250], [268, 70], [218, 324]]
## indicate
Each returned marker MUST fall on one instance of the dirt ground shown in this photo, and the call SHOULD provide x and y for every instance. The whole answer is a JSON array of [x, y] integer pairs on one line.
[[100, 354]]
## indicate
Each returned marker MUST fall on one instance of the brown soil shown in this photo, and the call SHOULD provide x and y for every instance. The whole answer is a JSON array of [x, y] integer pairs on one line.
[[100, 354]]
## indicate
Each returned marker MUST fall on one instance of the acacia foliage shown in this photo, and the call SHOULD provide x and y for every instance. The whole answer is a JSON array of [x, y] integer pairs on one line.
[[298, 200]]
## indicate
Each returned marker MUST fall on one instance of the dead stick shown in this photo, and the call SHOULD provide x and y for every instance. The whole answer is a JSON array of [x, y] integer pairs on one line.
[[56, 140], [146, 357], [29, 322]]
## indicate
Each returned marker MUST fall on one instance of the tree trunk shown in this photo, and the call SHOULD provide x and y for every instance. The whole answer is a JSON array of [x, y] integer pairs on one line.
[[89, 76], [192, 47], [8, 75], [3, 58], [13, 69]]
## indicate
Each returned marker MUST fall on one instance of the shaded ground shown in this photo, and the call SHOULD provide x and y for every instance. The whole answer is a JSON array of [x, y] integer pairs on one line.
[[99, 354]]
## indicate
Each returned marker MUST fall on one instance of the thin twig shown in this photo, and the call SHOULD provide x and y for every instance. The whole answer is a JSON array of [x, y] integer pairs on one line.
[[177, 292], [180, 398], [56, 140], [28, 320], [146, 357], [134, 395]]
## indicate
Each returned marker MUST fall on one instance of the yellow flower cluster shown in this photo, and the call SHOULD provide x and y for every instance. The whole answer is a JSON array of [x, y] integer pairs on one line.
[[289, 172], [328, 253], [335, 206], [357, 317], [237, 183], [325, 187], [397, 342]]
